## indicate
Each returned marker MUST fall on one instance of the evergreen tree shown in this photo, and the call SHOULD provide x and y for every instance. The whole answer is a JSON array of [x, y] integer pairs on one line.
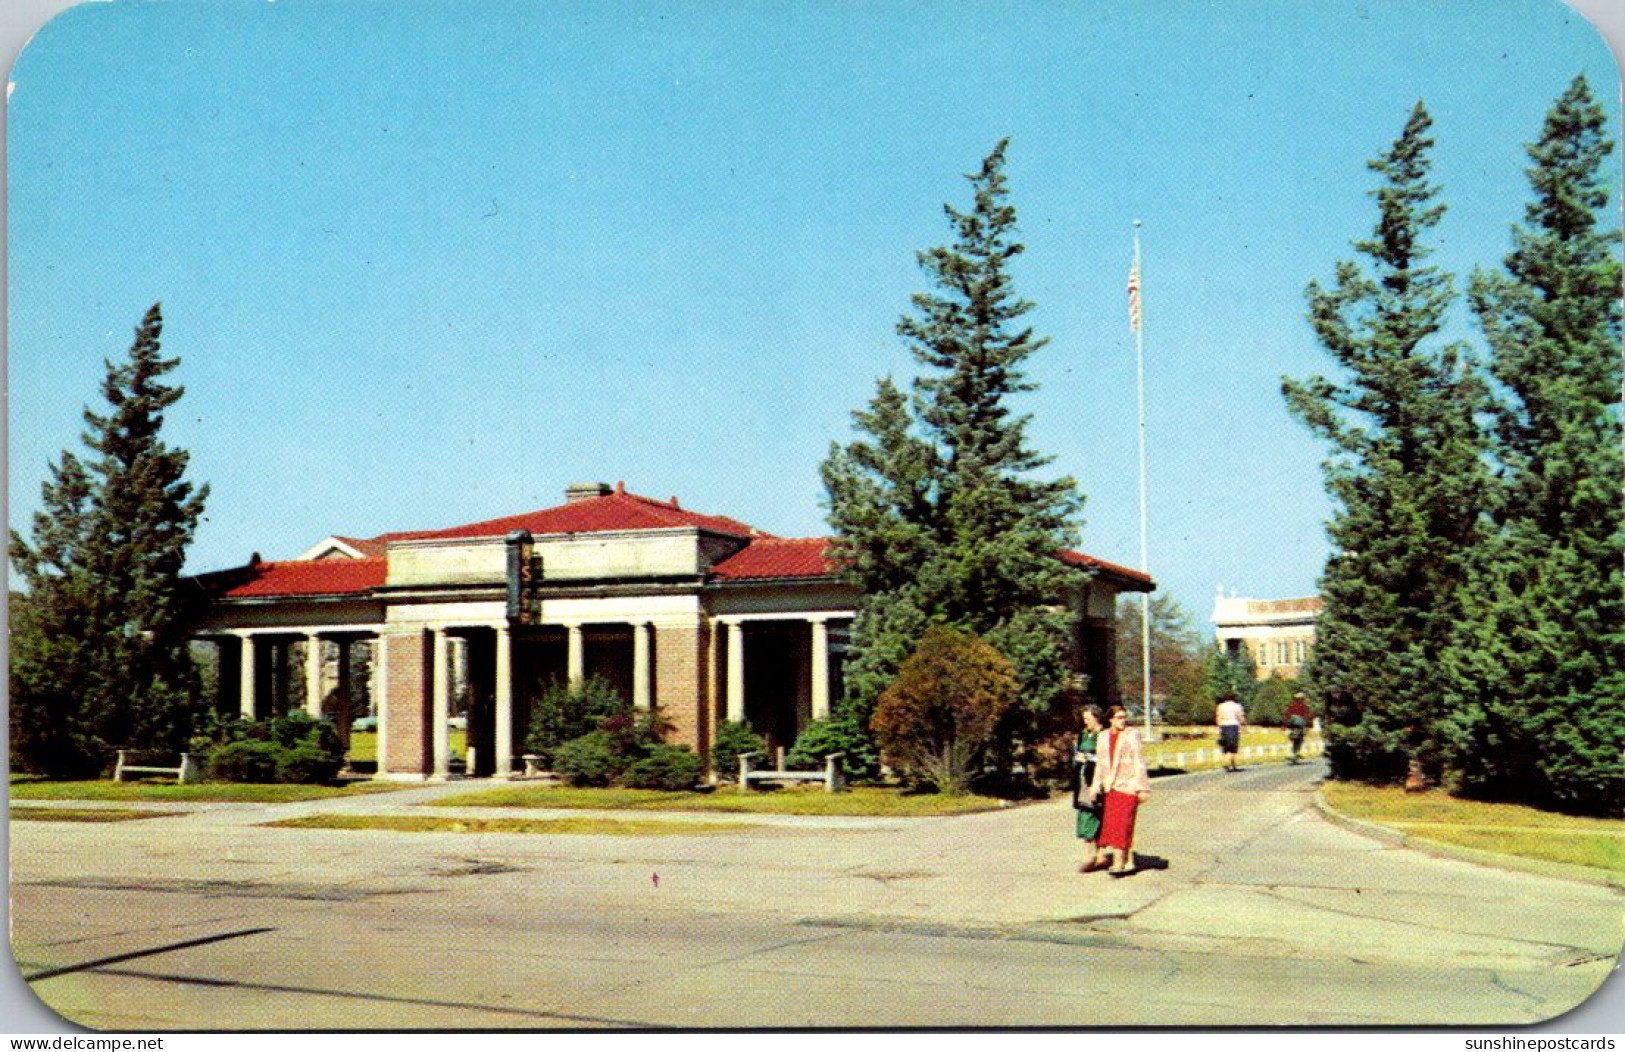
[[1540, 662], [103, 660], [1228, 674], [936, 512], [1407, 474]]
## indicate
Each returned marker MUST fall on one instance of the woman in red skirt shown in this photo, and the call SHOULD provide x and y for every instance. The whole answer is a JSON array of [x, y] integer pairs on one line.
[[1120, 777]]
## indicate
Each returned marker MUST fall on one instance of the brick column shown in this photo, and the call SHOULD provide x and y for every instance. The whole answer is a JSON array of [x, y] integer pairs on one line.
[[405, 731], [680, 682]]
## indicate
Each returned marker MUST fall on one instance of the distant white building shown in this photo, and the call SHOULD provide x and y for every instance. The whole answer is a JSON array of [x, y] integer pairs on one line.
[[1279, 634]]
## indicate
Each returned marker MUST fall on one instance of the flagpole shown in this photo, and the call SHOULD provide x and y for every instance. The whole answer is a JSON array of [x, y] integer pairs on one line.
[[1145, 561]]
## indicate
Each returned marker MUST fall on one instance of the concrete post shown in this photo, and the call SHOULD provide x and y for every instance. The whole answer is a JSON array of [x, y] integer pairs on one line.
[[640, 665], [245, 700], [576, 669], [313, 675], [736, 672], [504, 704], [378, 690], [440, 708], [820, 668]]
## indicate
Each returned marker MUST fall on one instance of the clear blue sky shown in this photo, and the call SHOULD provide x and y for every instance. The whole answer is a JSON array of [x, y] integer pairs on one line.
[[427, 263]]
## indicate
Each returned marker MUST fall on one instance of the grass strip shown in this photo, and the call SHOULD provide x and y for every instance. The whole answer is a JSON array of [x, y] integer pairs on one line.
[[577, 826], [83, 814], [202, 792], [860, 801], [1503, 829]]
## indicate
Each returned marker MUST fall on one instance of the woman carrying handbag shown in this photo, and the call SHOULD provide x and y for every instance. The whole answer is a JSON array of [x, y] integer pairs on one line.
[[1084, 800]]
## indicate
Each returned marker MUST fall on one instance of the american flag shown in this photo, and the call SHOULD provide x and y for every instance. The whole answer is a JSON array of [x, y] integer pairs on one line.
[[1134, 292]]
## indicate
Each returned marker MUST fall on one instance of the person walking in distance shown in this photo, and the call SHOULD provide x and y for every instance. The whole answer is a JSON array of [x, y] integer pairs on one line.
[[1297, 723], [1230, 717], [1084, 801], [1122, 781]]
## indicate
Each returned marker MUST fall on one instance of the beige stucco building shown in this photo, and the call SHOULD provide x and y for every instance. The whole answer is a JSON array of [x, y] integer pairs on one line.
[[699, 617], [1278, 634]]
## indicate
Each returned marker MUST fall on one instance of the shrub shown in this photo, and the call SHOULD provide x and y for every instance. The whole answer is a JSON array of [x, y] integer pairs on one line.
[[307, 764], [672, 767], [291, 748], [937, 717], [819, 738], [564, 712], [733, 739], [589, 760], [245, 761]]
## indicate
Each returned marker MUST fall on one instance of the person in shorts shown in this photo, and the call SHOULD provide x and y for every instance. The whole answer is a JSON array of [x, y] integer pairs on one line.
[[1230, 718]]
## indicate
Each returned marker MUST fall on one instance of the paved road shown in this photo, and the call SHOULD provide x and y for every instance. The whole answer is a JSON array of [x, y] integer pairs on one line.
[[1265, 914]]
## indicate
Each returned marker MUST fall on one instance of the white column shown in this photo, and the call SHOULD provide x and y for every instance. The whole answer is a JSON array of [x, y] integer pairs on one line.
[[820, 668], [379, 690], [576, 669], [640, 665], [736, 672], [245, 703], [504, 703], [313, 675], [440, 711]]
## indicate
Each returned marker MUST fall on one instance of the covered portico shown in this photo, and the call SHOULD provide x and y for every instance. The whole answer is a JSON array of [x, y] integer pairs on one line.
[[697, 618]]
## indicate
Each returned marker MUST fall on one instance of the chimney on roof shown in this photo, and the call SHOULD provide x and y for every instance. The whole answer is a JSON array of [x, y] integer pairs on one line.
[[576, 492]]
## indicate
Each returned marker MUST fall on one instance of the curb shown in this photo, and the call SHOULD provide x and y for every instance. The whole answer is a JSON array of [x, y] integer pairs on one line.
[[1439, 849]]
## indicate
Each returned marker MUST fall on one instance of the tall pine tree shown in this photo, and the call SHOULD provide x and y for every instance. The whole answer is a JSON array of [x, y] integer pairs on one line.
[[101, 660], [936, 510], [1406, 474], [1540, 662]]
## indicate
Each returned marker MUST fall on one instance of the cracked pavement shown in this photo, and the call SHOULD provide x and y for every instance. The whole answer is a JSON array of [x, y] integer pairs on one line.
[[1266, 914]]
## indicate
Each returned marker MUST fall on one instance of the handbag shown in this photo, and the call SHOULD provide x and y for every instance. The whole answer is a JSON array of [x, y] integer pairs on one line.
[[1088, 823]]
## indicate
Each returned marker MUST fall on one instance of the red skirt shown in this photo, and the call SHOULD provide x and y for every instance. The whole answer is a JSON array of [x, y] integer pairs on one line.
[[1117, 827]]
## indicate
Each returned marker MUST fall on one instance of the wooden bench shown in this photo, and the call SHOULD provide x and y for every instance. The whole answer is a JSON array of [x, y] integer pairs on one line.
[[187, 771], [833, 777]]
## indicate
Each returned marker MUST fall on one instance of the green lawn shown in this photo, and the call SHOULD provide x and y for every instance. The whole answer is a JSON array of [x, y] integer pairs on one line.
[[1506, 829], [791, 800], [215, 792], [1189, 740], [578, 826], [364, 744], [83, 814]]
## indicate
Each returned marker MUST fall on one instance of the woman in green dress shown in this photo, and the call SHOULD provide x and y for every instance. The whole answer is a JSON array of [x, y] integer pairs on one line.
[[1083, 798]]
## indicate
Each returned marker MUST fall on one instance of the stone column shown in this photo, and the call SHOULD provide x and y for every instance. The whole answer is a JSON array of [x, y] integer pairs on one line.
[[736, 672], [440, 707], [313, 675], [640, 665], [576, 668], [504, 704], [378, 691], [245, 699], [820, 668]]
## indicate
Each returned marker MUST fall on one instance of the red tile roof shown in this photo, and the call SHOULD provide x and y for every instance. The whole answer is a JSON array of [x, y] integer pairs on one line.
[[769, 557], [369, 549], [1135, 580], [301, 577], [614, 511]]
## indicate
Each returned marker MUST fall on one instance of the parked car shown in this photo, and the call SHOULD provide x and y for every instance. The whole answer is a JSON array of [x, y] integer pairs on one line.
[[364, 723]]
